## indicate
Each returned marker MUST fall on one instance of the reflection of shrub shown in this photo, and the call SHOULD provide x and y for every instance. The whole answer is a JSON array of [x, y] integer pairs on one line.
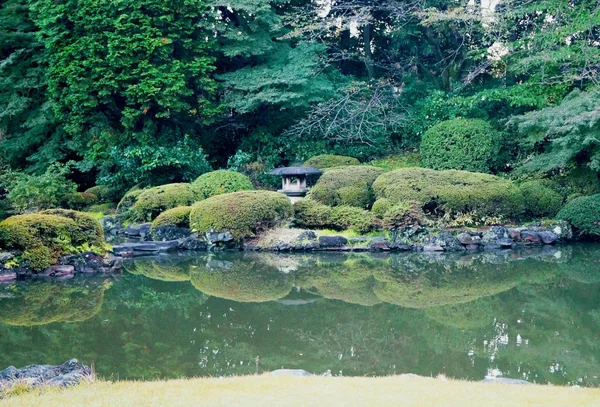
[[43, 303], [471, 315], [151, 202], [179, 216], [241, 280], [312, 214], [329, 161], [221, 182], [160, 270], [461, 144], [78, 200], [451, 191], [584, 214], [346, 186], [43, 238], [242, 213], [540, 198]]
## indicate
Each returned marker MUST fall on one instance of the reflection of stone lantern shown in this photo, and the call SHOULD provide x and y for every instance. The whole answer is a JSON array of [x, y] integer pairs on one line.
[[294, 181]]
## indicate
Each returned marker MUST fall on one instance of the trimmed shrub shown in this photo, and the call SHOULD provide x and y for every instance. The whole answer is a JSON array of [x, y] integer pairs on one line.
[[397, 161], [347, 186], [243, 213], [461, 144], [129, 199], [540, 198], [153, 201], [78, 200], [451, 192], [103, 192], [221, 182], [179, 216], [583, 213], [44, 237], [580, 181], [404, 214], [329, 161], [314, 215], [107, 208], [311, 214], [380, 207]]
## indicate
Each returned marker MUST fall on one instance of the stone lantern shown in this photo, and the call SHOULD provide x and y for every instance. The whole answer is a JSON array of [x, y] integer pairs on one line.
[[293, 181]]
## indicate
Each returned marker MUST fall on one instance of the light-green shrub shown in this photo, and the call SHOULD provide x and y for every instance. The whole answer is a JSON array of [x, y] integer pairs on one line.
[[584, 214], [152, 202], [221, 182], [540, 198], [329, 161], [350, 186]]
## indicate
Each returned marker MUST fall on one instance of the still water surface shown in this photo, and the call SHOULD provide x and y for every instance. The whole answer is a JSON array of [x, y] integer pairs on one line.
[[533, 314]]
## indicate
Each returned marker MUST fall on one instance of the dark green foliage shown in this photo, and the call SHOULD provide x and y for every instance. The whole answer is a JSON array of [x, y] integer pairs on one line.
[[78, 200], [540, 198], [178, 216], [314, 215], [244, 213], [351, 185], [152, 202], [584, 214], [403, 214], [102, 192], [461, 144], [221, 182], [328, 161], [580, 181], [451, 192]]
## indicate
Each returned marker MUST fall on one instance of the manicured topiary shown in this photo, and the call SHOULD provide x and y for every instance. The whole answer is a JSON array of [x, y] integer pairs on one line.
[[404, 214], [179, 216], [350, 185], [461, 144], [153, 201], [451, 192], [311, 214], [583, 214], [103, 192], [43, 238], [329, 161], [221, 182], [129, 199], [540, 198], [380, 207], [78, 200], [87, 224], [352, 218], [243, 213]]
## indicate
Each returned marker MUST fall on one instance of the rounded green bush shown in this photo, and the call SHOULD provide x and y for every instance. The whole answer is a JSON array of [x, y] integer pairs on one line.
[[451, 191], [404, 214], [221, 182], [540, 198], [352, 218], [310, 214], [129, 199], [243, 213], [461, 144], [179, 216], [380, 207], [350, 185], [329, 161], [583, 214], [314, 215], [44, 237], [153, 201], [78, 200]]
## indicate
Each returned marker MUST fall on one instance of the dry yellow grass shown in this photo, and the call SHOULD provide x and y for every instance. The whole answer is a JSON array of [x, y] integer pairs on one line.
[[273, 391]]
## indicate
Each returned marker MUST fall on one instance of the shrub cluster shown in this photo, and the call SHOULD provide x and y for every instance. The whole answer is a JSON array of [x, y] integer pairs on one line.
[[329, 161], [580, 181], [129, 199], [461, 144], [102, 192], [78, 200], [403, 214], [540, 198], [350, 186], [221, 182], [312, 214], [44, 237], [152, 202], [584, 214], [179, 216], [451, 192], [243, 213]]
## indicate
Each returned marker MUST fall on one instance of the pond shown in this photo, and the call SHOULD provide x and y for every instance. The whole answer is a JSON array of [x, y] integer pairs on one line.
[[532, 314]]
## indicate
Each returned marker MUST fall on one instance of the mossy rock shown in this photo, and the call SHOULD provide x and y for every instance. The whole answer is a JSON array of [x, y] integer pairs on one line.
[[351, 186], [40, 303], [241, 280], [540, 198], [329, 161], [461, 144], [583, 214], [179, 216], [78, 200], [44, 237], [452, 192], [243, 213], [221, 182], [152, 202]]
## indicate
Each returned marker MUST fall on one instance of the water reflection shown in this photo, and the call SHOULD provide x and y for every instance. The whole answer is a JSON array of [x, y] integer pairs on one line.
[[533, 314]]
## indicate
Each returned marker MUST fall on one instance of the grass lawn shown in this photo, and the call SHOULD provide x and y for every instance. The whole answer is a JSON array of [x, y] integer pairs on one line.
[[269, 391]]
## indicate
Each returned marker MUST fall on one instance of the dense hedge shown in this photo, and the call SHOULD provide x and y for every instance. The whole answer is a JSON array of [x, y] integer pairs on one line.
[[315, 215], [154, 201], [78, 200], [329, 161], [350, 185], [178, 216], [451, 192], [540, 198], [577, 182], [221, 182], [243, 213], [44, 237], [584, 214], [103, 192], [461, 144]]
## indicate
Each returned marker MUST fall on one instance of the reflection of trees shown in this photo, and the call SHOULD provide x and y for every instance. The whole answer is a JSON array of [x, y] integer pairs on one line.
[[39, 303]]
